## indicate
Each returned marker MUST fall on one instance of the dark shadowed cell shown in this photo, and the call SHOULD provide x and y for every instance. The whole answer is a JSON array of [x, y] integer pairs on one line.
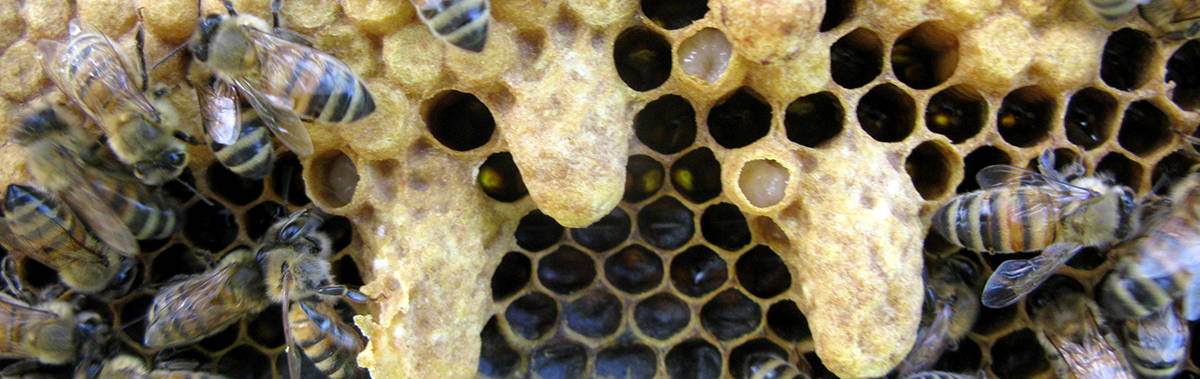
[[340, 230], [260, 218], [925, 56], [982, 157], [345, 271], [531, 315], [1088, 118], [1088, 259], [596, 314], [1124, 59], [698, 271], [1024, 118], [559, 359], [36, 274], [245, 362], [566, 270], [886, 113], [500, 179], [606, 233], [694, 358], [213, 227], [786, 320], [287, 180], [956, 112], [661, 316], [537, 231], [819, 371], [814, 119], [497, 358], [233, 187], [928, 166], [730, 314], [739, 120], [1121, 169], [967, 358], [836, 12], [1170, 170], [666, 125], [1144, 128], [763, 273], [181, 192], [221, 340], [724, 225], [856, 59], [266, 329], [176, 260], [643, 58], [459, 120], [644, 176], [759, 346], [634, 269], [697, 175], [666, 223], [511, 275], [1018, 355], [133, 309], [632, 361], [674, 14], [1181, 70]]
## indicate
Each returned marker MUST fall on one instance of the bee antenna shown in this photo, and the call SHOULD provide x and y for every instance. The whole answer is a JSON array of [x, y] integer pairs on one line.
[[167, 57], [229, 7], [136, 320], [194, 191]]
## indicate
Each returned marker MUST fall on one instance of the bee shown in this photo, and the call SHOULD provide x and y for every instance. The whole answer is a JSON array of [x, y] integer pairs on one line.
[[250, 153], [941, 375], [125, 366], [462, 23], [283, 79], [1175, 19], [49, 333], [951, 307], [771, 366], [141, 131], [1020, 210], [1071, 330], [332, 345], [1156, 345], [192, 308]]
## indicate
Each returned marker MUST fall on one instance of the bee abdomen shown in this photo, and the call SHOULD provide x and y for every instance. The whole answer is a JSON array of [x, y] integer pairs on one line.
[[145, 221], [1127, 293], [1156, 344], [993, 221], [338, 96], [463, 23], [772, 367], [1112, 10], [251, 155]]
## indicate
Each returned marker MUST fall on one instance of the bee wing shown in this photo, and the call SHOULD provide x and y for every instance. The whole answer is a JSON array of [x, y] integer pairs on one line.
[[1191, 299], [21, 246], [219, 111], [14, 313], [1015, 278], [293, 356], [196, 300], [1004, 175], [938, 375], [58, 64], [277, 114], [100, 219]]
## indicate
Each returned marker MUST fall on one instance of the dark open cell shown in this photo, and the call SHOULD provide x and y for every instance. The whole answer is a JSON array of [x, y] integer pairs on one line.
[[1182, 69], [537, 231], [1018, 355], [511, 275], [500, 179], [631, 361], [606, 233], [346, 272], [1053, 289], [957, 112], [1025, 115], [925, 56], [856, 59], [634, 269], [724, 225], [176, 260], [967, 358], [982, 157], [667, 124], [694, 359], [666, 223], [1063, 158], [928, 166], [336, 179], [1170, 170], [786, 320], [132, 310], [308, 370], [260, 218], [566, 270], [643, 58], [661, 316], [836, 12], [266, 329], [459, 120], [559, 359], [1088, 119], [730, 314], [233, 187], [497, 358], [595, 314], [1144, 129], [762, 273], [245, 362], [179, 191], [1121, 169], [340, 230], [739, 357], [674, 14], [1088, 259], [1124, 59], [148, 246], [213, 227], [739, 120], [222, 340], [38, 275], [698, 271], [643, 178], [697, 175], [814, 119], [287, 180], [992, 321], [818, 368], [886, 113], [532, 315]]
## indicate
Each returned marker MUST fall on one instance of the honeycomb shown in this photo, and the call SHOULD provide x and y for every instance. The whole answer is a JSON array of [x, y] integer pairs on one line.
[[646, 189]]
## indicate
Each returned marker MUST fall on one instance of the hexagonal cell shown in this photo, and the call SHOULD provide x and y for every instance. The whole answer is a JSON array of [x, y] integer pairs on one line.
[[1122, 169], [37, 275], [730, 314], [763, 182], [1181, 69], [698, 271], [1170, 169], [1089, 115], [559, 359], [497, 358], [705, 55], [786, 320], [339, 230], [1025, 115], [982, 157], [500, 178], [566, 270], [595, 314], [511, 275], [221, 340], [662, 315], [992, 321], [674, 14], [1088, 258], [604, 234], [814, 119], [763, 273], [697, 175], [957, 112], [818, 368], [233, 187], [336, 179], [220, 227], [666, 223], [836, 12], [131, 310], [739, 119], [259, 218], [856, 59], [459, 121], [1124, 59], [634, 269], [245, 362], [643, 58], [345, 271], [966, 358], [537, 231], [1018, 355], [1144, 128], [266, 329], [738, 358], [925, 56], [886, 113], [724, 226], [929, 167], [532, 315], [667, 124], [694, 358], [287, 180], [175, 260], [1063, 157], [644, 176], [632, 361]]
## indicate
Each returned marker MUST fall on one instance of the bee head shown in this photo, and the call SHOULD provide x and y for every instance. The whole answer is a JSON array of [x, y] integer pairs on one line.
[[161, 167], [203, 35]]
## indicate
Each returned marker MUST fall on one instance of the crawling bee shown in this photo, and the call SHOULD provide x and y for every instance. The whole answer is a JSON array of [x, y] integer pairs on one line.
[[462, 23], [771, 366], [1072, 332], [125, 366], [283, 78], [192, 308], [1020, 210], [1175, 19], [48, 333], [941, 375], [1156, 345], [951, 309], [250, 153], [142, 131], [332, 345]]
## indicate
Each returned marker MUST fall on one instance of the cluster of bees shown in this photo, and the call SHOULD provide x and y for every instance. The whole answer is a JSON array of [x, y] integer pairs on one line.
[[96, 193]]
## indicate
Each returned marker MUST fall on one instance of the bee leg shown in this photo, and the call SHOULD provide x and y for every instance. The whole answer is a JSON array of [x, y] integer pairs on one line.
[[20, 368], [141, 51], [177, 365], [186, 138], [341, 291], [12, 282], [275, 6]]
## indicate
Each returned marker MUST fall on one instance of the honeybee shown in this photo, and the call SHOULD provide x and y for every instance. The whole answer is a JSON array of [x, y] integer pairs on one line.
[[251, 152], [1020, 210], [1072, 332], [1156, 345], [48, 333], [141, 131], [951, 307], [941, 375], [1176, 19], [125, 366], [283, 79], [192, 308], [462, 23], [771, 366], [331, 344]]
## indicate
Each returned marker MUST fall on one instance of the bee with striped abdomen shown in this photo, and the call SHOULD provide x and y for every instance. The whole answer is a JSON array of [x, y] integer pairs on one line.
[[283, 80], [941, 375], [192, 308], [462, 23], [1073, 333], [125, 366], [332, 345], [49, 332], [771, 366], [1175, 19], [951, 307], [249, 151], [1156, 345], [1020, 210]]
